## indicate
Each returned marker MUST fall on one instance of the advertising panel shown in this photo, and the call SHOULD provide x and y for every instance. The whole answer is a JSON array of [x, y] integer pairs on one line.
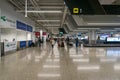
[[23, 44], [37, 34], [104, 36], [44, 33], [113, 39], [29, 43], [10, 46]]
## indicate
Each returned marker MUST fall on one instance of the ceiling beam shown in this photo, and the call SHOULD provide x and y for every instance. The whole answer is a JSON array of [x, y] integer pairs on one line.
[[47, 25], [47, 7], [64, 15], [51, 4], [48, 20]]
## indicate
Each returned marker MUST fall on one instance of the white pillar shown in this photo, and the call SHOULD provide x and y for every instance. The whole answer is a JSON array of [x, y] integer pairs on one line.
[[92, 36], [0, 34]]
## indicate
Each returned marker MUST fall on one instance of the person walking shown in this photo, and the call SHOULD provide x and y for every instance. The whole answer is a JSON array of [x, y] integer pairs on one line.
[[62, 42], [76, 42], [39, 41], [67, 40], [52, 42], [58, 41]]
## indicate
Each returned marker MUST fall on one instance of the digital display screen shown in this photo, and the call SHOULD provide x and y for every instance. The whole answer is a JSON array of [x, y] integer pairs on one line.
[[104, 36], [113, 39]]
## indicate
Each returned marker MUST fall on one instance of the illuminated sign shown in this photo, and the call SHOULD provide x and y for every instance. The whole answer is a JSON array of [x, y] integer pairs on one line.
[[94, 7]]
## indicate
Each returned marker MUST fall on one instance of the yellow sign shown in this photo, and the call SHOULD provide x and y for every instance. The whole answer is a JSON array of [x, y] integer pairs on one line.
[[75, 10]]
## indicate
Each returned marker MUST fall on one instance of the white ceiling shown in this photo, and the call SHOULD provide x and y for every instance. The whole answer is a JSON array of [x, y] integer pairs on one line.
[[97, 20], [53, 5], [107, 1], [42, 5]]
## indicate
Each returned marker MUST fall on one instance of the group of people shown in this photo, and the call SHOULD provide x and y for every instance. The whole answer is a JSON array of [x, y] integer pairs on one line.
[[76, 41], [60, 42], [38, 41]]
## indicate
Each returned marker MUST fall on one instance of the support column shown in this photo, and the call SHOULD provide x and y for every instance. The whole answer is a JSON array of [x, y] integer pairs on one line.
[[92, 36], [0, 34]]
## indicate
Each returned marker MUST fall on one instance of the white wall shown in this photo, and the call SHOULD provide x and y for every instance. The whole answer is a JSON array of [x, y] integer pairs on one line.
[[8, 34], [29, 36], [8, 10], [21, 35]]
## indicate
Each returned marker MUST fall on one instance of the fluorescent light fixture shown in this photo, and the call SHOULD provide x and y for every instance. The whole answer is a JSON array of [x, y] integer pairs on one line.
[[51, 66], [88, 68], [45, 11], [87, 28], [48, 7], [48, 75], [117, 28], [51, 7], [80, 60], [107, 30], [48, 20], [51, 25], [108, 60], [105, 24], [80, 30]]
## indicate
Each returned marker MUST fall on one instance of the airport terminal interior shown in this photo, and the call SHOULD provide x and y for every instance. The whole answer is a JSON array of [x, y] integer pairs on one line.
[[59, 39]]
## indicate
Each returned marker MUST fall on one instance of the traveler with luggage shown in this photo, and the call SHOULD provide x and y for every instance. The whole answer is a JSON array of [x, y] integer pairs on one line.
[[52, 42], [76, 42]]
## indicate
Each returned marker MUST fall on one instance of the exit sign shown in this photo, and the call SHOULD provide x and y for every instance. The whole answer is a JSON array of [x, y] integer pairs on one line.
[[3, 18]]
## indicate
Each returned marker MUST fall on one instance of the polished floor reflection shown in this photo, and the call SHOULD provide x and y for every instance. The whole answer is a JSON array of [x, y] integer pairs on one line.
[[68, 63]]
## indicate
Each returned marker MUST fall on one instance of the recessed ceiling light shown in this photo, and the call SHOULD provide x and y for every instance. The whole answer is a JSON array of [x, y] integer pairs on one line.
[[45, 11], [48, 20]]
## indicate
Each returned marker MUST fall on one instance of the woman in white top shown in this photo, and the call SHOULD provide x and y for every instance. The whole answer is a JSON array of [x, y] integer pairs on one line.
[[52, 42]]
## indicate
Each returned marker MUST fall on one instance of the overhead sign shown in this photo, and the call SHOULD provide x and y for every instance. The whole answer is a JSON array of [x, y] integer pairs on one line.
[[94, 7], [79, 7], [10, 46], [21, 25], [29, 28]]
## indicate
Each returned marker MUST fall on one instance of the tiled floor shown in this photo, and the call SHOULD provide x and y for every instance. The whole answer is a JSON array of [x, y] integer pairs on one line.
[[66, 63]]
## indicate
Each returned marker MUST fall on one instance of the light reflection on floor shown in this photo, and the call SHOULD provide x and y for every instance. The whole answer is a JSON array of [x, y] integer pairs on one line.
[[67, 63]]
